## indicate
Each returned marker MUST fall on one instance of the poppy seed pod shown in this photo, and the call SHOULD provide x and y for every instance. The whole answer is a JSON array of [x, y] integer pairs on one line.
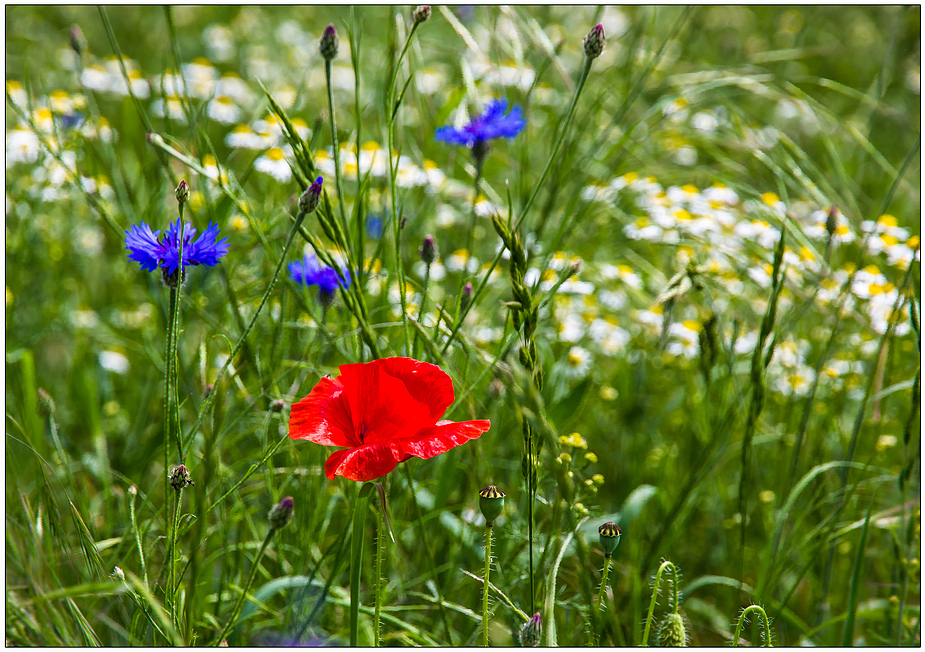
[[609, 537], [491, 502], [281, 513], [328, 45], [594, 42]]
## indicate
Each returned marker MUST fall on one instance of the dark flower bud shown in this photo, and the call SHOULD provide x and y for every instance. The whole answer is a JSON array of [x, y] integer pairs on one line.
[[281, 513], [182, 192], [830, 222], [76, 39], [278, 405], [428, 250], [46, 403], [309, 200], [180, 478], [609, 537], [531, 631], [466, 297], [208, 389], [328, 46], [420, 14], [491, 502], [594, 42]]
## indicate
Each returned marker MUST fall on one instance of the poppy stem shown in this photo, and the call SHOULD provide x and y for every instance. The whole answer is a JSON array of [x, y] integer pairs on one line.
[[380, 545], [596, 641], [356, 554], [488, 527]]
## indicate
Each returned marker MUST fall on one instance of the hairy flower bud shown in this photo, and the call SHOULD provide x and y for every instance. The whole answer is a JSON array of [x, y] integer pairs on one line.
[[609, 537], [281, 513], [672, 632], [180, 478], [309, 199], [428, 250], [420, 14], [278, 405], [328, 45], [466, 297], [531, 631], [182, 192], [46, 402], [491, 502], [594, 42]]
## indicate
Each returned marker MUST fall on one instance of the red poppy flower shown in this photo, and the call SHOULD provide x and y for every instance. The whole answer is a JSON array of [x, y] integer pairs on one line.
[[382, 412]]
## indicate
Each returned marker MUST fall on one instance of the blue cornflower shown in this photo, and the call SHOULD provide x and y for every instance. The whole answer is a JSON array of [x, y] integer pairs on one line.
[[146, 249], [310, 272], [492, 123]]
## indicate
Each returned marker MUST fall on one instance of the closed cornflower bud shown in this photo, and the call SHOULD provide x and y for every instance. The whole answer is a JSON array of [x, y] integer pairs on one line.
[[672, 632], [77, 39], [531, 631], [46, 403], [182, 192], [309, 199], [180, 478], [281, 513], [609, 537], [421, 13], [491, 502], [428, 250], [466, 297], [328, 45], [594, 42]]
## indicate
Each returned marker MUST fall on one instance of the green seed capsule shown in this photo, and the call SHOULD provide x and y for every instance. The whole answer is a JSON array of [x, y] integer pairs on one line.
[[609, 537], [491, 502]]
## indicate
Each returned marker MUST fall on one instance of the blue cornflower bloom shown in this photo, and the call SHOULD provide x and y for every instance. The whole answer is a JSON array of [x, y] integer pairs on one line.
[[311, 272], [491, 123], [146, 249]]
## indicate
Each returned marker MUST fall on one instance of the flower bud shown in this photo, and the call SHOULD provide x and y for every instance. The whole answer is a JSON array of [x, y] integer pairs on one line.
[[830, 220], [420, 14], [281, 513], [117, 574], [76, 39], [309, 199], [609, 537], [466, 297], [132, 490], [46, 403], [672, 632], [180, 478], [278, 405], [491, 502], [531, 631], [182, 192], [428, 250], [594, 42], [328, 46]]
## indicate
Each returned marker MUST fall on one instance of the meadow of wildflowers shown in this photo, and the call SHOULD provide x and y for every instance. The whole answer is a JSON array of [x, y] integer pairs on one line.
[[459, 326]]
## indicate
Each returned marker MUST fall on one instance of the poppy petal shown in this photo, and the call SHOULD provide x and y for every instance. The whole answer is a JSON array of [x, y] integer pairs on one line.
[[364, 463], [443, 436], [427, 383], [380, 406], [323, 416]]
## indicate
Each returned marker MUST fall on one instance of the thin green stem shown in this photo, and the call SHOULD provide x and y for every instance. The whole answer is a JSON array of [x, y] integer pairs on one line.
[[472, 215], [391, 111], [167, 415], [742, 617], [526, 208], [379, 547], [237, 347], [356, 558], [600, 597], [172, 560], [658, 578], [338, 179], [250, 580], [414, 344], [485, 584], [141, 552]]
